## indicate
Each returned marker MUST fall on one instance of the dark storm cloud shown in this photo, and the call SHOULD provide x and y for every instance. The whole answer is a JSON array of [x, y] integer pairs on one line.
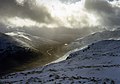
[[98, 6], [109, 14], [10, 8]]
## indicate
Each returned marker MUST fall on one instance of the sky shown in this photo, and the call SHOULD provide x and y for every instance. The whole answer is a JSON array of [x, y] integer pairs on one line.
[[61, 13]]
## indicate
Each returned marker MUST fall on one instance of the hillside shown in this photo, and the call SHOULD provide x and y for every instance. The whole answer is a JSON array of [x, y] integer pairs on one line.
[[96, 64], [14, 52], [92, 38]]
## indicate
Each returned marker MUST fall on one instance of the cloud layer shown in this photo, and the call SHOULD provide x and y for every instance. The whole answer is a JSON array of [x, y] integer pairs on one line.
[[109, 13], [78, 14], [27, 9]]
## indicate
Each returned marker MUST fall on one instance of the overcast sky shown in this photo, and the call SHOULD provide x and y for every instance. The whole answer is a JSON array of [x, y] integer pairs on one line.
[[93, 12]]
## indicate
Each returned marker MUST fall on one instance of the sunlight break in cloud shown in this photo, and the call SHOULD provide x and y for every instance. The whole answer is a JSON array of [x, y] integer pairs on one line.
[[56, 13], [71, 15]]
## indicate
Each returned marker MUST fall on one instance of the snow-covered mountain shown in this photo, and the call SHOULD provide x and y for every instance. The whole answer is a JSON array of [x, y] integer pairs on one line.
[[45, 41], [48, 42], [14, 52], [96, 64], [32, 40], [95, 37]]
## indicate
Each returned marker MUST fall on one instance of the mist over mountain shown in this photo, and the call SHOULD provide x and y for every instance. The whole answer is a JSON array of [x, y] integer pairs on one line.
[[95, 37], [34, 33]]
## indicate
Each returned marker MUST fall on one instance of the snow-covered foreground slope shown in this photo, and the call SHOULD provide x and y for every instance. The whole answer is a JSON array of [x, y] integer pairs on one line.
[[96, 64]]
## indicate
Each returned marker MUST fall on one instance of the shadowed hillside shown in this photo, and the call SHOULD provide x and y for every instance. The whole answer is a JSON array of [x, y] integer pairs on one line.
[[14, 53]]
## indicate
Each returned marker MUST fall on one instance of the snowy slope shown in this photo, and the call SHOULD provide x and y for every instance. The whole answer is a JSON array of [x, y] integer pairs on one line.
[[47, 41], [96, 64], [31, 39], [98, 36]]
